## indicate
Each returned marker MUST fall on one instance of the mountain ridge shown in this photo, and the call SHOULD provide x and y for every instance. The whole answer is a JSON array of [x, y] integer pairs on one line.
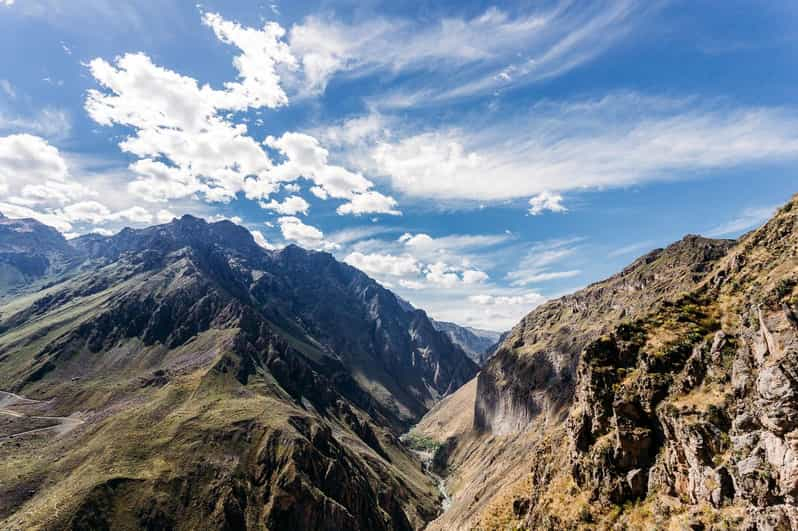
[[253, 345], [648, 399]]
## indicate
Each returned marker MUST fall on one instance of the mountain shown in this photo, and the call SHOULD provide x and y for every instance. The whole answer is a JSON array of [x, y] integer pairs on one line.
[[663, 397], [477, 343], [31, 251], [181, 377]]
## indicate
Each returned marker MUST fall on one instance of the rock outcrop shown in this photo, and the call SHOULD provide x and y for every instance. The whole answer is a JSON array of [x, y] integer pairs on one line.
[[663, 397]]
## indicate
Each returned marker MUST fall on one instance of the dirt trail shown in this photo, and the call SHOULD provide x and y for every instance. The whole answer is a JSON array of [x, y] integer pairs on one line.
[[63, 424]]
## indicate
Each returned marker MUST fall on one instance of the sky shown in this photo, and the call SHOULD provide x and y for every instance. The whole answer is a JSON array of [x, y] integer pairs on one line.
[[476, 158]]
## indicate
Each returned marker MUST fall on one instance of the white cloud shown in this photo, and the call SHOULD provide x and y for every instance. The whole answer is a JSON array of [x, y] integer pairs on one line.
[[17, 211], [220, 217], [454, 54], [188, 141], [637, 247], [356, 130], [98, 214], [49, 122], [176, 119], [384, 264], [7, 2], [165, 216], [620, 140], [29, 159], [306, 236], [261, 240], [749, 218], [535, 267], [8, 89], [100, 231], [369, 203], [474, 277], [527, 300], [36, 182], [546, 201], [263, 50], [292, 205], [305, 157], [443, 275]]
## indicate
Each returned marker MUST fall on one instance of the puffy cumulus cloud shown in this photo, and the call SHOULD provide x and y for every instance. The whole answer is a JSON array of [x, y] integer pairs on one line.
[[12, 210], [466, 251], [262, 51], [292, 205], [177, 120], [370, 203], [159, 182], [413, 273], [305, 157], [357, 130], [260, 239], [220, 217], [37, 183], [190, 144], [184, 140], [293, 229], [444, 275], [165, 216], [29, 159], [546, 201], [474, 276], [527, 300], [384, 264], [98, 214]]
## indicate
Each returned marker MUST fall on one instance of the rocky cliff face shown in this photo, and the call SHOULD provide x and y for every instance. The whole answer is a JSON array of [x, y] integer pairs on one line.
[[533, 372], [662, 397], [197, 381]]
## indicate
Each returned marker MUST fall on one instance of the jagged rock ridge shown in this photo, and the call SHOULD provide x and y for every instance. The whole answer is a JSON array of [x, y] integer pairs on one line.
[[219, 386]]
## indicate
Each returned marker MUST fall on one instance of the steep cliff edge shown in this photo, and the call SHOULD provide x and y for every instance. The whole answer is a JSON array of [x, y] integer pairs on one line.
[[663, 396], [533, 371]]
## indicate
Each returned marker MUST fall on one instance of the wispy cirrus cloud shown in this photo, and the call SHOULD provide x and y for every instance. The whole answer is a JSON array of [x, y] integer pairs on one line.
[[748, 219], [622, 139], [452, 55], [543, 261]]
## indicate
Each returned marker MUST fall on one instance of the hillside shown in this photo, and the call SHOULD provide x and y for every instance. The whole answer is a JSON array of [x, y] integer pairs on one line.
[[194, 380], [663, 397]]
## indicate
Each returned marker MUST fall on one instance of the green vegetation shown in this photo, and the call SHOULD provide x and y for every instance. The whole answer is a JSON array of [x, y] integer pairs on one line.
[[420, 443]]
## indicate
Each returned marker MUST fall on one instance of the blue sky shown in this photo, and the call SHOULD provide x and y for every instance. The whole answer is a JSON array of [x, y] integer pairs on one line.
[[476, 158]]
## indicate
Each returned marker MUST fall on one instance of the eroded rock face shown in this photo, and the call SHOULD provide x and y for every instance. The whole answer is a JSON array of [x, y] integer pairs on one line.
[[533, 372], [671, 385], [699, 398]]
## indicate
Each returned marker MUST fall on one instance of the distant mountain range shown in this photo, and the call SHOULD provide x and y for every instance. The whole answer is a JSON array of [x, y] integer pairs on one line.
[[217, 384], [477, 343]]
